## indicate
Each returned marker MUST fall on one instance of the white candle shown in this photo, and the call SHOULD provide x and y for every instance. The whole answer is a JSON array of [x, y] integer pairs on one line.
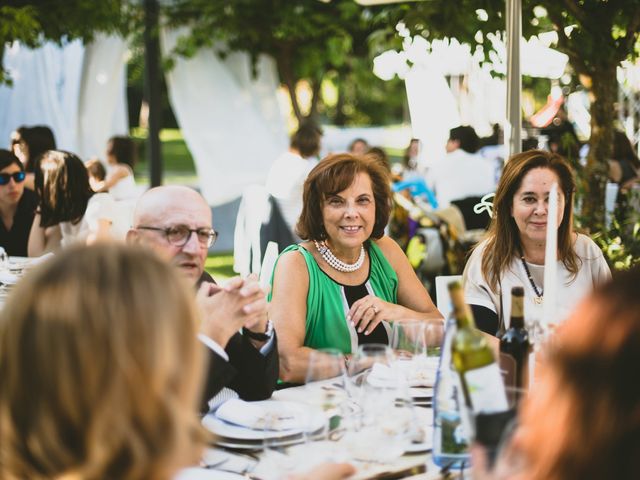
[[551, 259]]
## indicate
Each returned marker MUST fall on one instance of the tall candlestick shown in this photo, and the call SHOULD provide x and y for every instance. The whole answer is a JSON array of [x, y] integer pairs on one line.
[[551, 259]]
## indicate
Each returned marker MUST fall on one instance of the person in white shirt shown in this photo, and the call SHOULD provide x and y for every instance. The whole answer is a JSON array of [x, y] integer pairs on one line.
[[462, 173], [288, 173], [68, 210], [513, 253]]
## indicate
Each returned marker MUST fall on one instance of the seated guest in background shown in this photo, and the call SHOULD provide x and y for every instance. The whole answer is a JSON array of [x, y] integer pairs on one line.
[[17, 205], [347, 282], [582, 419], [28, 144], [359, 146], [100, 371], [67, 204], [287, 174], [176, 222], [121, 157], [462, 173], [624, 167], [97, 173], [514, 252]]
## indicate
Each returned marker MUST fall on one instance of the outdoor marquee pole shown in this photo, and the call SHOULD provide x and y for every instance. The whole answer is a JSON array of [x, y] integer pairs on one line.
[[152, 89]]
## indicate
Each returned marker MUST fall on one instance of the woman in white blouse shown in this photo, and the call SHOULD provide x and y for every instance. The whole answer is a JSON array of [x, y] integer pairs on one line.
[[514, 251], [68, 211]]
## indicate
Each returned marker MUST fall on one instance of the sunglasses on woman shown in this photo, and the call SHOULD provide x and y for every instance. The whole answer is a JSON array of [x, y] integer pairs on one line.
[[17, 177]]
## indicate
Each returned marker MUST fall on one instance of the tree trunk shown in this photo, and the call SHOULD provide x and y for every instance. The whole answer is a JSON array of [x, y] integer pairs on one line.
[[605, 93], [286, 74]]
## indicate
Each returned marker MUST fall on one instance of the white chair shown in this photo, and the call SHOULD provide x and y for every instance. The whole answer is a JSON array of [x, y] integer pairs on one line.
[[443, 300]]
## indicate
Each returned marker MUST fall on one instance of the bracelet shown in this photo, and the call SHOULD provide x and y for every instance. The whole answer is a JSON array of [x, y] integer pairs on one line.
[[263, 337]]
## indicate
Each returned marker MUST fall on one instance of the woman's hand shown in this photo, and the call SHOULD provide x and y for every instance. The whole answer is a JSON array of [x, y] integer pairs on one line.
[[368, 312]]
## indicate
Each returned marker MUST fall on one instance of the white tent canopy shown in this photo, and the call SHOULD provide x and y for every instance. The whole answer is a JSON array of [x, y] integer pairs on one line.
[[231, 122]]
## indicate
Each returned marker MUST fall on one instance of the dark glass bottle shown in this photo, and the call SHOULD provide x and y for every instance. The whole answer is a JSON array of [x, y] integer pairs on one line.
[[515, 341]]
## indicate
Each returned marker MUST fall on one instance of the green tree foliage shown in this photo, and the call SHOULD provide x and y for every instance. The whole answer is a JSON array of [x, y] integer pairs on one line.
[[595, 34], [33, 23], [308, 39]]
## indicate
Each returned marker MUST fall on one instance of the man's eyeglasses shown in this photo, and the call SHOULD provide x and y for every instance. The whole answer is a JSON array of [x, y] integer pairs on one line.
[[17, 177], [179, 235]]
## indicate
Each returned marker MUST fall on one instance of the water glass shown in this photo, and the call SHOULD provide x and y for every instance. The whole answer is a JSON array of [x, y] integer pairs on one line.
[[408, 339]]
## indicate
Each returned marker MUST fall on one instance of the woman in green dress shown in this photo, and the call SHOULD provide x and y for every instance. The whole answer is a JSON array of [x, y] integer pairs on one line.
[[347, 282]]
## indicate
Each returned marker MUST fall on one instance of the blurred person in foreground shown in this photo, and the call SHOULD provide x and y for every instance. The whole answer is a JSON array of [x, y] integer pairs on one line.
[[17, 205], [347, 282], [513, 253], [104, 385], [175, 222], [582, 419]]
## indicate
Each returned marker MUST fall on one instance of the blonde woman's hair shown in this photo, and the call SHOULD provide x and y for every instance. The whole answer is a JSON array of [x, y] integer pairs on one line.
[[100, 369]]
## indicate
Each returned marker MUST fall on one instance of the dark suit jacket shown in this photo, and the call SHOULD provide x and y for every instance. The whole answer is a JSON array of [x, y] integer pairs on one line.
[[252, 375]]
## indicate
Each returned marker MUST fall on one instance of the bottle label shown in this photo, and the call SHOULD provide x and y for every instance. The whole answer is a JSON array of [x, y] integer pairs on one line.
[[486, 390]]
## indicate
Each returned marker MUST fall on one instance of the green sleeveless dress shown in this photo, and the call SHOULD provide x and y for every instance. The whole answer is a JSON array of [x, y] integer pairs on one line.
[[326, 325]]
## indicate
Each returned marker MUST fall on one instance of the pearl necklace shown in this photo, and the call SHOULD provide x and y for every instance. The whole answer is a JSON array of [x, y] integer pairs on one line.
[[335, 262]]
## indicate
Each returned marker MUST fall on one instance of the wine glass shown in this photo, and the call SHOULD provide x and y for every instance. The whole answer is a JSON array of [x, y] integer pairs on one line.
[[384, 416], [408, 339]]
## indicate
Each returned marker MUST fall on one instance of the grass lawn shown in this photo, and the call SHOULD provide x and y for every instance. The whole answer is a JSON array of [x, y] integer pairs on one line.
[[220, 265]]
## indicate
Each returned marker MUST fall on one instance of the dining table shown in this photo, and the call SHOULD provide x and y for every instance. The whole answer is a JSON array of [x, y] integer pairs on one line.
[[253, 462]]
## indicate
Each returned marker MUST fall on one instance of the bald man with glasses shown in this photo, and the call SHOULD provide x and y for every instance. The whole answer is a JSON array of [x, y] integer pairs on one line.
[[176, 223]]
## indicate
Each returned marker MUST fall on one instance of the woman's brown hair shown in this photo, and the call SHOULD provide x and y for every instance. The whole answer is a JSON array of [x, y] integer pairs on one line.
[[332, 175], [62, 184], [503, 242], [590, 397], [100, 369]]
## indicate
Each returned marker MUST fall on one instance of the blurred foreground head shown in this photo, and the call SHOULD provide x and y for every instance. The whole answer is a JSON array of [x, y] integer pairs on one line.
[[583, 417], [99, 369]]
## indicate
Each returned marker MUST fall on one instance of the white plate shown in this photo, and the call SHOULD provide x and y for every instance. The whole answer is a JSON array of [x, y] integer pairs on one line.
[[258, 445], [196, 473], [314, 418]]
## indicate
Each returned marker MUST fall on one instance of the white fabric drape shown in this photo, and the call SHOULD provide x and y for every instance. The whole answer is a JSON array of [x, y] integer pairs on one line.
[[78, 92], [231, 123]]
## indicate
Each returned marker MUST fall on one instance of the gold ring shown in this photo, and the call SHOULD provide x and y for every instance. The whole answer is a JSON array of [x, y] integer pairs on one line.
[[375, 309]]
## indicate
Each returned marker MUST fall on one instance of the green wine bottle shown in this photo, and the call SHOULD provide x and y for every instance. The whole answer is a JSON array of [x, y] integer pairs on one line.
[[473, 359]]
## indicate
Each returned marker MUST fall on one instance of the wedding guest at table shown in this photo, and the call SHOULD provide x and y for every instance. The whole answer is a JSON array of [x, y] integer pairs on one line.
[[121, 157], [67, 204], [624, 167], [175, 222], [28, 144], [582, 418], [347, 282], [17, 205], [513, 253], [358, 146], [106, 384], [97, 173], [97, 378], [287, 174], [462, 172]]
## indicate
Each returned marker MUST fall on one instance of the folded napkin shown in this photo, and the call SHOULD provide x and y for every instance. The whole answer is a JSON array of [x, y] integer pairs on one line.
[[416, 374], [8, 278], [268, 414]]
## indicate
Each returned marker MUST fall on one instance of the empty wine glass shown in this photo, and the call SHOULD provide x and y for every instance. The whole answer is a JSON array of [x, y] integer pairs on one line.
[[325, 381], [408, 339], [385, 415]]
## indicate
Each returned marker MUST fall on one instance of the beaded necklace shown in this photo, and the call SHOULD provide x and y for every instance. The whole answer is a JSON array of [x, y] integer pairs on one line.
[[335, 262], [539, 293]]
